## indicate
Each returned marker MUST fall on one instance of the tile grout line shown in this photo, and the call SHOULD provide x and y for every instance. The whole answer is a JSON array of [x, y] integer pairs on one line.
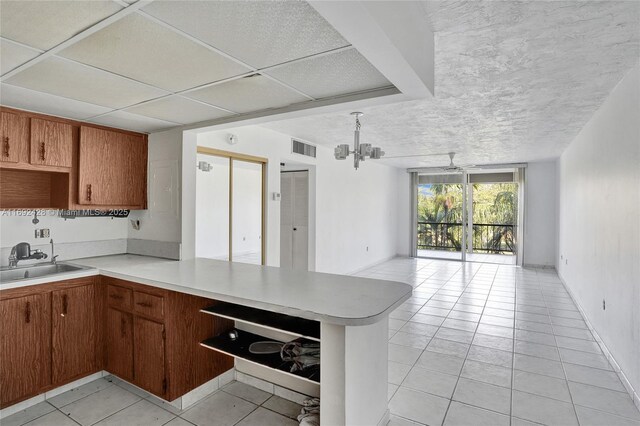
[[470, 344]]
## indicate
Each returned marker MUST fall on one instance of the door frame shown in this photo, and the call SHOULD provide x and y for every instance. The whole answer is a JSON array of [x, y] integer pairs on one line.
[[250, 159], [467, 211]]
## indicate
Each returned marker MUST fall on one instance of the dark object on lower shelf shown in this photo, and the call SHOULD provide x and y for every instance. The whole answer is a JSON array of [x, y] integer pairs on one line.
[[300, 326], [240, 349]]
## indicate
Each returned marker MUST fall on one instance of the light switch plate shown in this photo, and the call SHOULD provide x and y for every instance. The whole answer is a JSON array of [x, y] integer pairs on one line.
[[42, 233]]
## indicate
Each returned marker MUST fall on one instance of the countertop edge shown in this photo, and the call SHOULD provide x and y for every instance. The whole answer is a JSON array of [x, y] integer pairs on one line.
[[307, 314], [260, 305]]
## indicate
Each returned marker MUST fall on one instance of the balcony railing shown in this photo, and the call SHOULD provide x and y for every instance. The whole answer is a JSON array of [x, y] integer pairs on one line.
[[487, 238]]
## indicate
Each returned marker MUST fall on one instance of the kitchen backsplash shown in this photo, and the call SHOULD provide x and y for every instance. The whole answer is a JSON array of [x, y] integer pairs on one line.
[[77, 250]]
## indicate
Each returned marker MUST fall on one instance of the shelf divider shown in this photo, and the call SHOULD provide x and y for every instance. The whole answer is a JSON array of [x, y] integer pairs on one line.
[[239, 348], [295, 326]]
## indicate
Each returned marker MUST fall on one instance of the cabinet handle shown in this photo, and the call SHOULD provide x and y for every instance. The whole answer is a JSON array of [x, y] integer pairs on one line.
[[42, 151], [116, 296], [27, 313], [144, 304], [65, 304], [123, 327], [6, 146], [89, 192]]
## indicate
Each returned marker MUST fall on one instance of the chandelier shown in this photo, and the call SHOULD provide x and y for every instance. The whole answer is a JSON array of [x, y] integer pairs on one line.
[[360, 150]]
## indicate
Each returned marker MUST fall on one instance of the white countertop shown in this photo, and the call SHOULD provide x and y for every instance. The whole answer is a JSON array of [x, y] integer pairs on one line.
[[336, 299]]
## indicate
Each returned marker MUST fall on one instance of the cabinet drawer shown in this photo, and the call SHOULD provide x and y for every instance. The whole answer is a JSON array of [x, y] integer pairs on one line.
[[148, 304], [119, 297]]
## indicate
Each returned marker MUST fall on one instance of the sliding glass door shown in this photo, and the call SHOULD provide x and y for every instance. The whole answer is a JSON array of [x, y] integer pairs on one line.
[[472, 215], [440, 212], [230, 206]]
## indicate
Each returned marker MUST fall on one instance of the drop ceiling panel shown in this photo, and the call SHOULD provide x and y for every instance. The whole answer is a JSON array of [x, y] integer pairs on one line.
[[146, 51], [330, 75], [14, 55], [21, 98], [248, 94], [178, 109], [72, 80], [128, 121], [45, 24], [260, 33]]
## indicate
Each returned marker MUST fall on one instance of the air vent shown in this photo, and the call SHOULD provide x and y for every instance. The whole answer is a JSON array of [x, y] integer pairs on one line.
[[302, 148]]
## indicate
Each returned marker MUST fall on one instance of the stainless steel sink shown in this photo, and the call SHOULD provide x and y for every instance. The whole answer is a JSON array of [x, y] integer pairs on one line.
[[37, 271]]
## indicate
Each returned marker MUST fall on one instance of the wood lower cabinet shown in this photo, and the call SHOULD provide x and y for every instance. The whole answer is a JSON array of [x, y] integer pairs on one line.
[[49, 336], [149, 356], [74, 332], [119, 342], [168, 360], [25, 356], [52, 334], [51, 143]]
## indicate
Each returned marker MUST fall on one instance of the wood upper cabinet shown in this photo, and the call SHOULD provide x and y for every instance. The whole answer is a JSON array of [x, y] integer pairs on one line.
[[149, 356], [14, 135], [74, 332], [113, 168], [51, 143], [24, 347], [119, 336]]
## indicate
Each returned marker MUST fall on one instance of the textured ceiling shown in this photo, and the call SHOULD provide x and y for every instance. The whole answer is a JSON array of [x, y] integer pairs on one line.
[[155, 65], [514, 81]]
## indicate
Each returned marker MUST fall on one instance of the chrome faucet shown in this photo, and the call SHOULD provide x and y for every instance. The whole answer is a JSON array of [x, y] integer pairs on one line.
[[53, 257]]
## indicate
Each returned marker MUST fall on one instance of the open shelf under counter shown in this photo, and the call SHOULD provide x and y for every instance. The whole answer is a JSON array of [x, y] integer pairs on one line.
[[239, 348], [298, 327]]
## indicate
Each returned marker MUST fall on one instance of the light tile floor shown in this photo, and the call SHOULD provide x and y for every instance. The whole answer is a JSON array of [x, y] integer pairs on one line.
[[483, 344], [111, 402]]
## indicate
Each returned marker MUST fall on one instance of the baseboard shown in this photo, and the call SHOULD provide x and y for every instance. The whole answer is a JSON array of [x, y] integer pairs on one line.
[[537, 266], [633, 393], [386, 259], [271, 388], [385, 418]]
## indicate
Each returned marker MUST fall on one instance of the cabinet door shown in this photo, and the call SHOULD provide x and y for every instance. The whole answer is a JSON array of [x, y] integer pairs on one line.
[[51, 143], [74, 337], [149, 356], [113, 168], [120, 344], [24, 347], [12, 137]]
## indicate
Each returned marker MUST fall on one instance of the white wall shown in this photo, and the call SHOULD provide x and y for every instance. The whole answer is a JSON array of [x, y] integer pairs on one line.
[[355, 209], [14, 229], [161, 220], [212, 209], [599, 222], [540, 232]]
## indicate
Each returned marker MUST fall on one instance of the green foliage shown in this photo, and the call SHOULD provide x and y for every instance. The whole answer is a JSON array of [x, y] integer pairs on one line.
[[493, 204]]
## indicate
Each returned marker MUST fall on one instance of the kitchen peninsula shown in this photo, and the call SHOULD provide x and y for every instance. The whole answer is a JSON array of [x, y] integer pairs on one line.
[[349, 315]]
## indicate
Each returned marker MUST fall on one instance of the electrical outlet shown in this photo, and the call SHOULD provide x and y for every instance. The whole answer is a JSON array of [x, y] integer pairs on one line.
[[42, 233], [367, 248], [604, 305]]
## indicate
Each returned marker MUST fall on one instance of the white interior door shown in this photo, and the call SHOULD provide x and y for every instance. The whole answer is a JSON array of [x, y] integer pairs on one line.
[[294, 220]]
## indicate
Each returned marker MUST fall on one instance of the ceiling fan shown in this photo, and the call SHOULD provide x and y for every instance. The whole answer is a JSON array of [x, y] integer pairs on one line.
[[455, 168], [450, 168]]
